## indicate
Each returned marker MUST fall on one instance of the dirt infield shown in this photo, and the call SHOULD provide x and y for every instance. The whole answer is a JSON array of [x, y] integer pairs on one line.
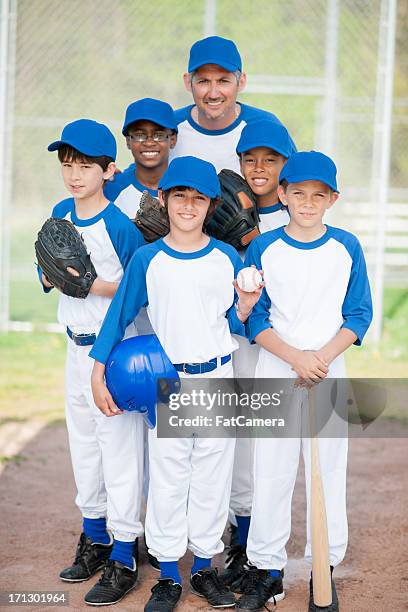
[[40, 526]]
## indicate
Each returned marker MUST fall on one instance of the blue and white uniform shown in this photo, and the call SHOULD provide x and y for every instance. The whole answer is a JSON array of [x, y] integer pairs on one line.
[[272, 217], [312, 290], [190, 302], [125, 191], [101, 447], [215, 146]]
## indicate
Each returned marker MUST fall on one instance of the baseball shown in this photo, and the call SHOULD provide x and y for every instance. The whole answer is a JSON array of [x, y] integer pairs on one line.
[[249, 279]]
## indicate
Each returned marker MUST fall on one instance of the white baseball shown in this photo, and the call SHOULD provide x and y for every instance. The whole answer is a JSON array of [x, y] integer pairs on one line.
[[249, 279]]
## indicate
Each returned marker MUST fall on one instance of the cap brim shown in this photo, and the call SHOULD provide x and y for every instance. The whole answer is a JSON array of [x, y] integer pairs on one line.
[[57, 144], [299, 178], [148, 118], [193, 185], [255, 145], [217, 62]]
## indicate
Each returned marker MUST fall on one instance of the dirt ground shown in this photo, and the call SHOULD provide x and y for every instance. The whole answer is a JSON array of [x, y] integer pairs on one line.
[[40, 526]]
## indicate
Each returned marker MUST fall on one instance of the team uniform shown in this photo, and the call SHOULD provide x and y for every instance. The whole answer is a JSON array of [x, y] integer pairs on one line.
[[311, 291], [99, 446], [125, 191], [193, 317], [215, 146]]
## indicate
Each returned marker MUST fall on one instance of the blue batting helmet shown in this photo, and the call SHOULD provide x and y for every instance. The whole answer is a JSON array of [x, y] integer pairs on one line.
[[139, 374]]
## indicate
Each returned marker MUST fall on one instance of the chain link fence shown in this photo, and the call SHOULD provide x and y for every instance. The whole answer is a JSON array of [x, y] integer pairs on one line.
[[314, 64]]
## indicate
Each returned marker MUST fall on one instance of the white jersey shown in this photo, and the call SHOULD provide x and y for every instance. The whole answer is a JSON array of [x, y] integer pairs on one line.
[[215, 146], [190, 301], [111, 239], [125, 191], [312, 289], [272, 217]]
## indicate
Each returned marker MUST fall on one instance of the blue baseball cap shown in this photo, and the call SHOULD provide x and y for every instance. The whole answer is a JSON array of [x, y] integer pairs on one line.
[[266, 133], [150, 109], [215, 50], [88, 137], [310, 166], [192, 172]]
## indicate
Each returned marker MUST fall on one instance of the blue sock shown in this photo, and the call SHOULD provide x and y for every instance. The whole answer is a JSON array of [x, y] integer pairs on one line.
[[243, 528], [199, 564], [274, 573], [123, 552], [96, 530], [169, 569]]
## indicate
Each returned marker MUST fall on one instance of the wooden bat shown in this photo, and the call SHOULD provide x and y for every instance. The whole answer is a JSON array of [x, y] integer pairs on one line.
[[322, 591]]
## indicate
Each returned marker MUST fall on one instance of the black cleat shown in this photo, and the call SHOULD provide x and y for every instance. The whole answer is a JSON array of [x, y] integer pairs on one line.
[[206, 583], [89, 558], [334, 607], [115, 582], [258, 589], [153, 562], [234, 535], [234, 565], [165, 596]]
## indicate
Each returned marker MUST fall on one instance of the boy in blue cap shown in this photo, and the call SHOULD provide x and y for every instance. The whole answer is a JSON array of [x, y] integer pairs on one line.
[[316, 304], [263, 149], [99, 447], [186, 280], [210, 128], [150, 130]]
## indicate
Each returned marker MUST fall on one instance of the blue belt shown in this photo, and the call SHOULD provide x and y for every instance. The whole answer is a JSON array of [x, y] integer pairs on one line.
[[201, 368], [81, 339]]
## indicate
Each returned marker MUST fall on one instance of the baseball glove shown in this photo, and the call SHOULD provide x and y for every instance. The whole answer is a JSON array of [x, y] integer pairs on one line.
[[59, 246], [152, 218], [235, 219]]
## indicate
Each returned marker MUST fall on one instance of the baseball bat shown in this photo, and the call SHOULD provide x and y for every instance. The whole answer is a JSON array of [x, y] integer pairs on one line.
[[322, 591]]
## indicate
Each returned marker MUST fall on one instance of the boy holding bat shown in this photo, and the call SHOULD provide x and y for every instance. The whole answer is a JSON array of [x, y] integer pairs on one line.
[[316, 304]]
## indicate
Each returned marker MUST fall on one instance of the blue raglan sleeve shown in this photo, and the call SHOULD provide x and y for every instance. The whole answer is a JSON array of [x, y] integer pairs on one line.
[[125, 236], [357, 307], [236, 326], [112, 188], [59, 211], [128, 300], [258, 320]]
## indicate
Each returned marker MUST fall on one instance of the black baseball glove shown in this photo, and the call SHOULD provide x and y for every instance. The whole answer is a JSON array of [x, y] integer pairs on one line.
[[152, 218], [235, 219], [59, 246]]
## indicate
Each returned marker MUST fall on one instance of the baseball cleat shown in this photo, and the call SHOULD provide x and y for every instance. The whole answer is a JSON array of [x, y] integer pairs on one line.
[[89, 558], [334, 606], [235, 564], [115, 582], [165, 596], [259, 588], [206, 583]]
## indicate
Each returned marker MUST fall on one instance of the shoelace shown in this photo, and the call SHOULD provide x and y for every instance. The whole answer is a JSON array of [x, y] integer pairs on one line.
[[83, 546], [250, 582], [212, 579], [162, 590], [109, 573], [234, 556]]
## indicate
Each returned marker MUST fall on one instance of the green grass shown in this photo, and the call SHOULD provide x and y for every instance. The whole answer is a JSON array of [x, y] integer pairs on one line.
[[31, 376]]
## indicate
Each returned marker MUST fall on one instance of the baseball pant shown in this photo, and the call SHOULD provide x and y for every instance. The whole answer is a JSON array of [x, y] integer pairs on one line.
[[189, 491], [106, 452], [275, 468]]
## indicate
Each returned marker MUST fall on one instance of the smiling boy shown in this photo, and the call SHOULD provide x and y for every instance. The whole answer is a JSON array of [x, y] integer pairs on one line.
[[316, 304], [186, 278], [150, 130]]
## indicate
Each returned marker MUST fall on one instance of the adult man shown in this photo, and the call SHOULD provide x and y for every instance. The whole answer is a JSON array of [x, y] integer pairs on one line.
[[210, 128]]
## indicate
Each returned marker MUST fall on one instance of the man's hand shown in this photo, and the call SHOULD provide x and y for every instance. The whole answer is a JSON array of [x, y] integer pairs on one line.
[[309, 367], [101, 395]]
